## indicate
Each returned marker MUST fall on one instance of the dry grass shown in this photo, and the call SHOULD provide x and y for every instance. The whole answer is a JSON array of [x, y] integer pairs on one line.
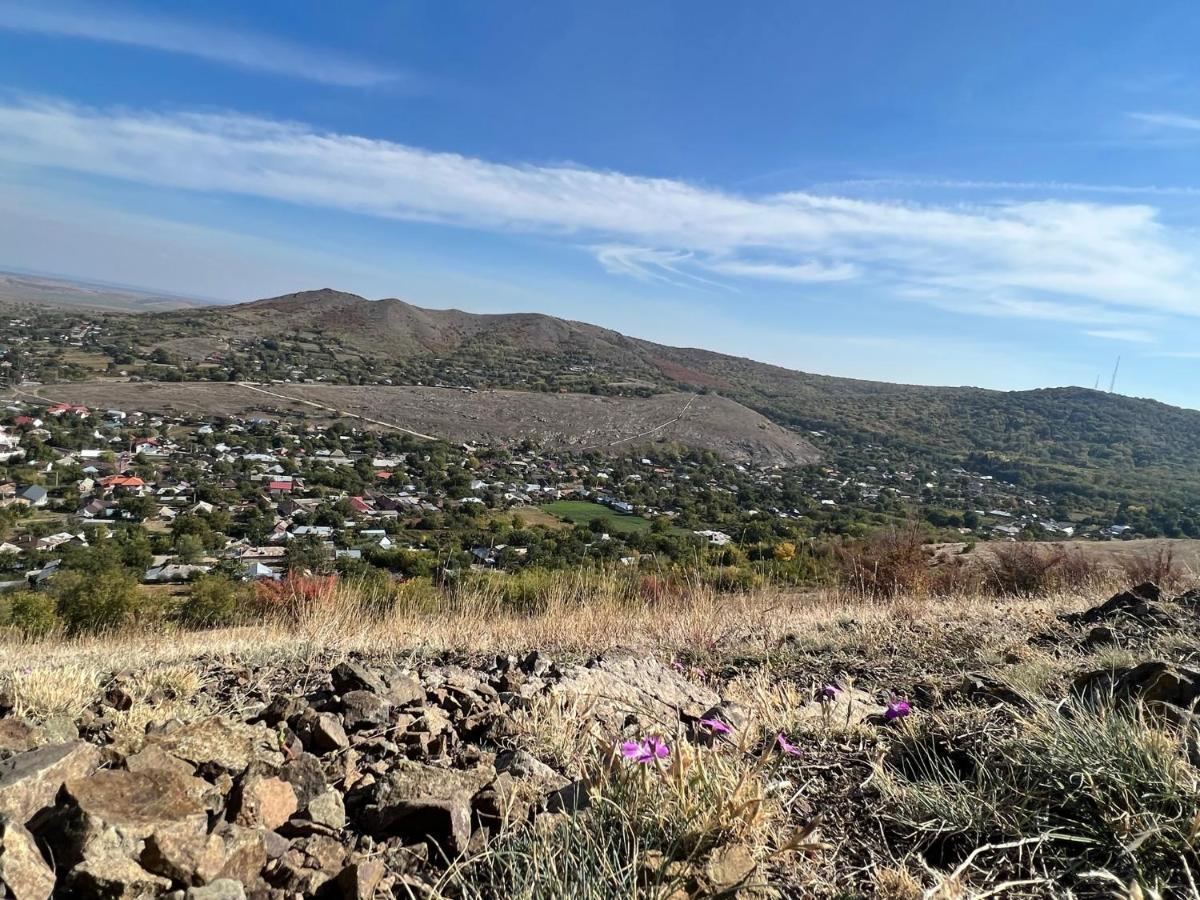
[[42, 693], [816, 623], [924, 796]]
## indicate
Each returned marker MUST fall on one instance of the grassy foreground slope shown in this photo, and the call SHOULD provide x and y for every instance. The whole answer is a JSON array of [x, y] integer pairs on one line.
[[907, 747]]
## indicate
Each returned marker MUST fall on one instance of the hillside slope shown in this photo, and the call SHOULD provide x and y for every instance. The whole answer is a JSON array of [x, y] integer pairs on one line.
[[1044, 434], [1101, 455], [504, 418]]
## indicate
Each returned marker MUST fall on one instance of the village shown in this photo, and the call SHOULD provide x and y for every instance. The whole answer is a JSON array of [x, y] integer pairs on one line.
[[254, 497]]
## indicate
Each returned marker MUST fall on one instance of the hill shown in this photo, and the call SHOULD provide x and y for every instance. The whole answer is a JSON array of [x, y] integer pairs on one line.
[[504, 418], [17, 289], [1090, 453], [1080, 441]]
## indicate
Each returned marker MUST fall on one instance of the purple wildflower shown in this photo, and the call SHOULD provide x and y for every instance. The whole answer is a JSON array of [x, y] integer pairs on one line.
[[645, 751], [678, 666], [787, 746], [716, 725], [830, 692], [897, 708]]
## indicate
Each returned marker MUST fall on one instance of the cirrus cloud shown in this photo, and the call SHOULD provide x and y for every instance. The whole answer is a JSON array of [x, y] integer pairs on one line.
[[1090, 263]]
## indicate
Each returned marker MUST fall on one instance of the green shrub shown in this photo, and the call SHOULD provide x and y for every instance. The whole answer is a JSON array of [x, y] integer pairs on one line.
[[216, 601], [33, 614], [103, 601]]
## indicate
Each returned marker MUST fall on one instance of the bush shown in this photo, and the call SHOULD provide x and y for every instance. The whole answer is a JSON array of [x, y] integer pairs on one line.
[[104, 601], [1159, 567], [885, 564], [31, 613], [1028, 569], [215, 601], [34, 614]]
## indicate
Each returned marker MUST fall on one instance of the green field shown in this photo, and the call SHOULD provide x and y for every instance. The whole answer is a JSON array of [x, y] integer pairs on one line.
[[580, 512]]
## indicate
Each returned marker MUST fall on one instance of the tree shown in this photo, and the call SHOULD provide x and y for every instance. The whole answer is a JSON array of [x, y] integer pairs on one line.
[[104, 601], [307, 553], [190, 548], [215, 600]]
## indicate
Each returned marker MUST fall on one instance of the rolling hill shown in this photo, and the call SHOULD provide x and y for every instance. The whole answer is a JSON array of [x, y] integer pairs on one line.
[[1094, 451]]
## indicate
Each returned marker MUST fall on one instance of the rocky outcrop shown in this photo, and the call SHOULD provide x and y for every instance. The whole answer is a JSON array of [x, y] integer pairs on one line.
[[363, 782]]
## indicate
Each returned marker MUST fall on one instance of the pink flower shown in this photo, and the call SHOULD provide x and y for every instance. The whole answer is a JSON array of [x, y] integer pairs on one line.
[[645, 751], [678, 666], [716, 725], [897, 708], [830, 692], [786, 746]]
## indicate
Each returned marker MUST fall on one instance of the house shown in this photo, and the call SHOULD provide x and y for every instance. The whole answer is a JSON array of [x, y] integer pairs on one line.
[[174, 572], [258, 570], [130, 483], [281, 487], [34, 495], [42, 575], [60, 409], [715, 538]]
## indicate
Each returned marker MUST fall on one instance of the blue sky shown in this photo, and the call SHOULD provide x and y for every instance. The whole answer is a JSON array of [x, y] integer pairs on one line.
[[947, 192]]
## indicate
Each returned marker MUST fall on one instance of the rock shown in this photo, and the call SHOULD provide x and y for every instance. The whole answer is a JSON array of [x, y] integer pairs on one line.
[[59, 730], [573, 798], [245, 852], [1100, 636], [157, 759], [352, 676], [420, 802], [404, 690], [619, 685], [523, 764], [114, 877], [728, 868], [29, 781], [17, 736], [320, 732], [1154, 682], [328, 810], [1140, 604], [121, 807], [363, 709], [24, 873], [221, 889], [218, 743], [264, 802], [306, 776], [359, 880], [183, 854]]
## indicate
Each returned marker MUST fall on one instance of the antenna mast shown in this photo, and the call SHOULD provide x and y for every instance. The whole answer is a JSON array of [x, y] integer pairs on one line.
[[1113, 383]]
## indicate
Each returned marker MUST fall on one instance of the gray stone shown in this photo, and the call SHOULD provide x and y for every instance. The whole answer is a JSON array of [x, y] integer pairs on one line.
[[30, 781], [24, 873], [221, 889]]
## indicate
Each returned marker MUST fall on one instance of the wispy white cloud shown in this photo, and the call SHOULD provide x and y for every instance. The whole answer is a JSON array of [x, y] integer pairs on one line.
[[1087, 263], [231, 47], [796, 273], [1049, 188], [1127, 335], [1168, 120]]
